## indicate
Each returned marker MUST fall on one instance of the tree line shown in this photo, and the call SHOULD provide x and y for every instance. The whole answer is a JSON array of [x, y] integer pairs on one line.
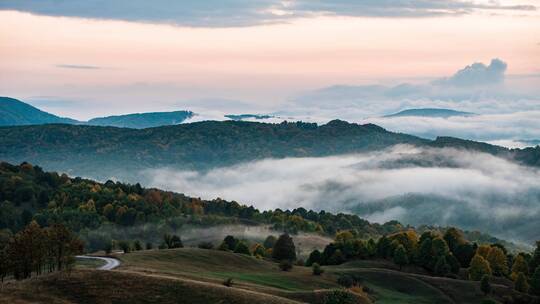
[[36, 250]]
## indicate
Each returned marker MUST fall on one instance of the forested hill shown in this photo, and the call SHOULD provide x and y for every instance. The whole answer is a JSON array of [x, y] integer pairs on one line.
[[15, 112], [106, 152]]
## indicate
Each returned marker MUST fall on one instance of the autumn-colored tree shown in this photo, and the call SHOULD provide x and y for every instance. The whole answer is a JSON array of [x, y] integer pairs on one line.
[[453, 238], [483, 250], [497, 261], [479, 267], [519, 266], [258, 250]]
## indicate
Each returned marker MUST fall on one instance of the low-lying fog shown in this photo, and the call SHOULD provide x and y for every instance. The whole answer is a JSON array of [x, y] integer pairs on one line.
[[409, 184]]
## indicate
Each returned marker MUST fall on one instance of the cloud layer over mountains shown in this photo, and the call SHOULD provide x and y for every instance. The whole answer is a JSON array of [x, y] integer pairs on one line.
[[416, 186]]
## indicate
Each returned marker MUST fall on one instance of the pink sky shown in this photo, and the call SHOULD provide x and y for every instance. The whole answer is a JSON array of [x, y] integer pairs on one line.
[[264, 65]]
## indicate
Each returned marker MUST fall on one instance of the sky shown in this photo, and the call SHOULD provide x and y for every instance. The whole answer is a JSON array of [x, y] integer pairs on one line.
[[93, 58]]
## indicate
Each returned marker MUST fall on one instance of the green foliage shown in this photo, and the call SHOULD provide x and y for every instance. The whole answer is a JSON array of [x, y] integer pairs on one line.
[[206, 245], [442, 267], [339, 296], [285, 265], [242, 248], [535, 282], [485, 286], [317, 269], [314, 257], [124, 246], [521, 284], [230, 241], [137, 246], [400, 256], [172, 241], [269, 241], [284, 249]]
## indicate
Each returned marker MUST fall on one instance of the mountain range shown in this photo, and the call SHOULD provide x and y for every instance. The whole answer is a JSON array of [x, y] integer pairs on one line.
[[430, 112], [14, 112]]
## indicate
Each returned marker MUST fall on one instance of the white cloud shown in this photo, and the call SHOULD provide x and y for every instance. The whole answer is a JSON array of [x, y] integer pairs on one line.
[[471, 190]]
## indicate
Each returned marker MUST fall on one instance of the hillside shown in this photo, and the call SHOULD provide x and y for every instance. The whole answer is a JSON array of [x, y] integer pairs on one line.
[[192, 275], [106, 152], [142, 120], [16, 113], [430, 112]]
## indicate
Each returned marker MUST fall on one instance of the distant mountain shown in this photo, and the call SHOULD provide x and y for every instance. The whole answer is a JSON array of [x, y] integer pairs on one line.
[[107, 152], [142, 120], [430, 112], [14, 112], [247, 116]]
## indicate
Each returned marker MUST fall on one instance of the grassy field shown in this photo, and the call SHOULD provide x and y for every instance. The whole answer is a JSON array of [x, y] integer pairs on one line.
[[192, 275]]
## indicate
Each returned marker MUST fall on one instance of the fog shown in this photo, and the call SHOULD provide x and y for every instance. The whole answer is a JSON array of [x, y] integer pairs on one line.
[[409, 184]]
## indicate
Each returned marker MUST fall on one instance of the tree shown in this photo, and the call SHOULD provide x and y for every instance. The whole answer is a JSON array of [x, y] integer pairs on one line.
[[453, 263], [535, 281], [535, 259], [125, 246], [453, 238], [231, 242], [519, 265], [285, 265], [400, 256], [284, 248], [425, 255], [442, 267], [485, 286], [314, 257], [464, 253], [259, 250], [521, 284], [269, 241], [137, 245], [172, 241], [497, 261], [242, 248], [339, 296], [479, 267], [317, 269]]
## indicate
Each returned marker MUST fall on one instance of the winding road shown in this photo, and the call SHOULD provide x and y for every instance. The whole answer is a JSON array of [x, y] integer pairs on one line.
[[110, 263]]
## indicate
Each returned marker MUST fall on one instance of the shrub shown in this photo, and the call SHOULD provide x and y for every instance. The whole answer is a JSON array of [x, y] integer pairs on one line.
[[228, 282], [137, 245], [124, 246], [521, 284], [339, 296], [485, 286], [149, 246], [346, 280], [285, 265], [317, 269], [242, 248]]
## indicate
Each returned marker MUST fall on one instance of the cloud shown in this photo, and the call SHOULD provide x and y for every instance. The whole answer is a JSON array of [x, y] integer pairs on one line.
[[78, 66], [223, 13], [477, 74], [416, 186]]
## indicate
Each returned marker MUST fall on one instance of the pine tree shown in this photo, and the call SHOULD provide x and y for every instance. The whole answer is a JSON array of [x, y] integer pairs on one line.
[[284, 248]]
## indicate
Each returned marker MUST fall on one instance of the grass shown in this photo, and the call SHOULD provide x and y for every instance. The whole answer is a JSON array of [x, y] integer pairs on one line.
[[88, 263]]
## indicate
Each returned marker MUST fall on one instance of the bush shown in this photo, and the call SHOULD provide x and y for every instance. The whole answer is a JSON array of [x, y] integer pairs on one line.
[[124, 246], [137, 245], [317, 269], [242, 248], [339, 297], [485, 286], [285, 265], [206, 245], [346, 280], [228, 282], [149, 246]]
